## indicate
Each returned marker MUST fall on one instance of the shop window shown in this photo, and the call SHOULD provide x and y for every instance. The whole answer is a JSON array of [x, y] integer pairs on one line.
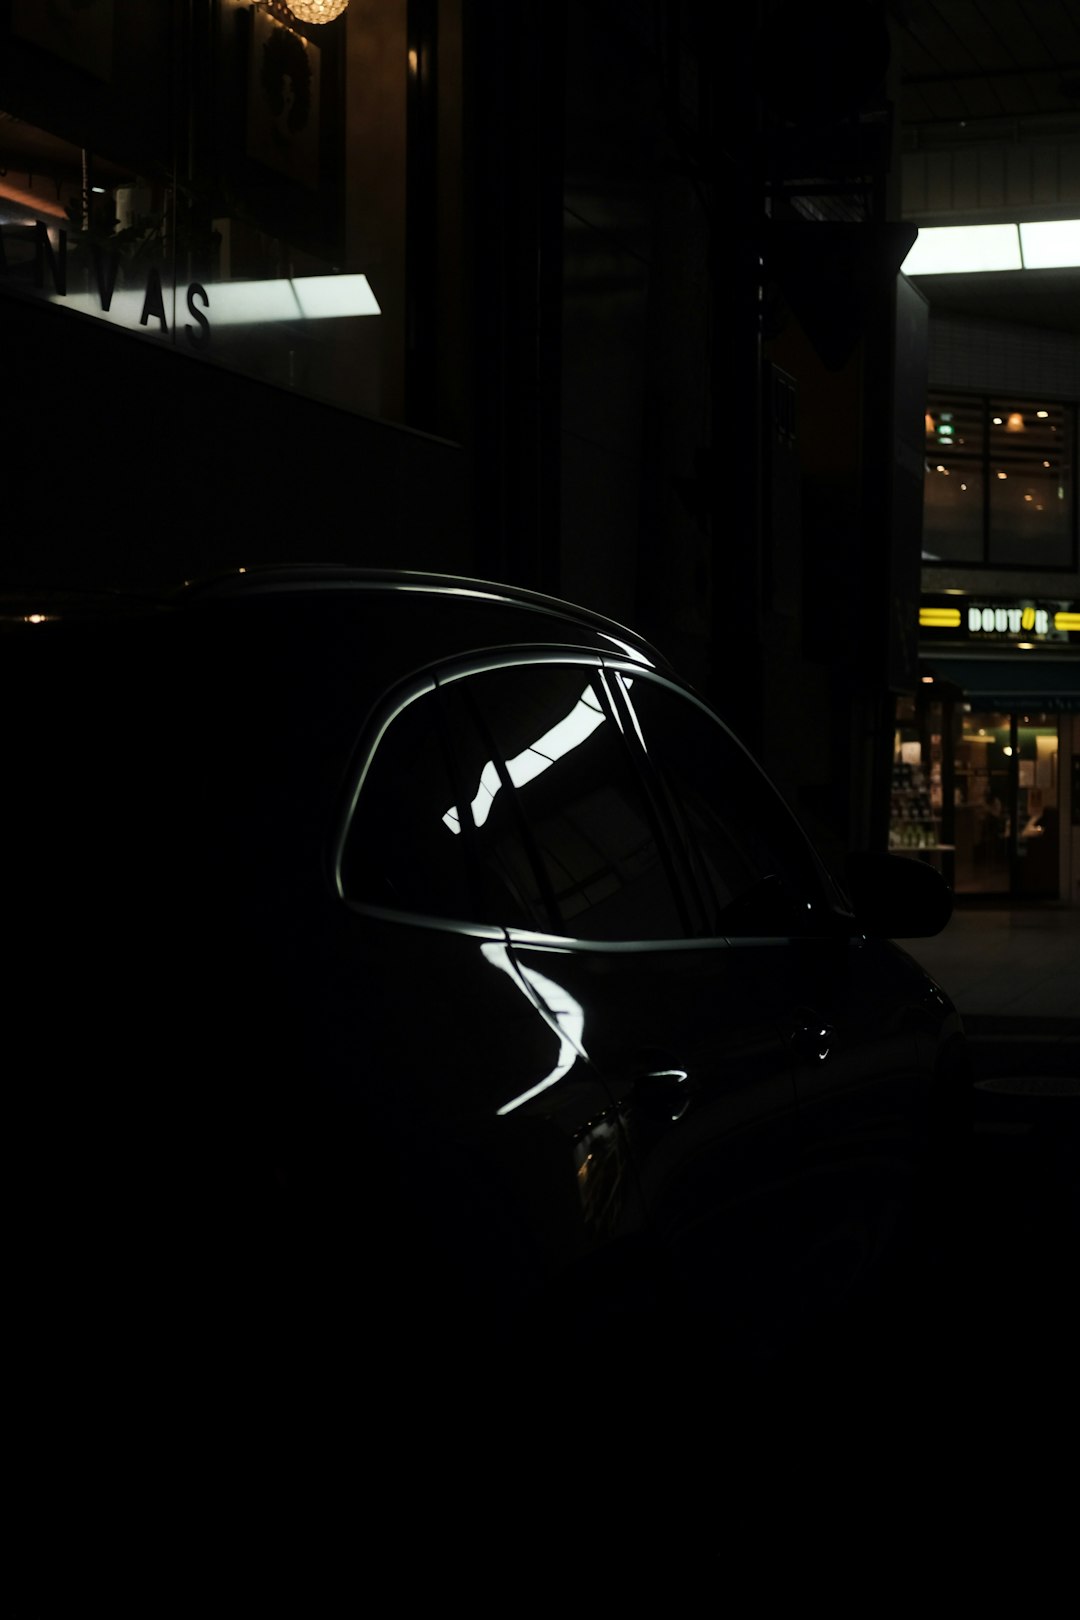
[[954, 504], [1006, 803], [275, 196], [999, 488], [916, 808], [1031, 484]]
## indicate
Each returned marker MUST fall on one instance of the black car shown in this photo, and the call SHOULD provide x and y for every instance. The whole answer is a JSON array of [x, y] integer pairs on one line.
[[408, 961]]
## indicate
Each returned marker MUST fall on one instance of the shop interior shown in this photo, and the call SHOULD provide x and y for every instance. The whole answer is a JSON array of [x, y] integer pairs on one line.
[[976, 793]]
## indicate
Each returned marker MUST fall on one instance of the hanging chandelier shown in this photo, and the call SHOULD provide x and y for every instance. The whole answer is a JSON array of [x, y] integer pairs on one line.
[[316, 11]]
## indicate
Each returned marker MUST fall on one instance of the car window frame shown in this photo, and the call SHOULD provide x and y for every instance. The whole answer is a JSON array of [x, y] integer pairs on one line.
[[658, 822], [829, 912], [446, 673], [692, 888]]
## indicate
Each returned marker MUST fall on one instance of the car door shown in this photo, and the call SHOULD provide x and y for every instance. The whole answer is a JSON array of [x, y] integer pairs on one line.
[[604, 927], [843, 1002], [506, 1161]]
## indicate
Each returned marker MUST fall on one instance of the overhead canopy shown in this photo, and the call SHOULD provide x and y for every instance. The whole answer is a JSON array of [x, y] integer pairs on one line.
[[1013, 683]]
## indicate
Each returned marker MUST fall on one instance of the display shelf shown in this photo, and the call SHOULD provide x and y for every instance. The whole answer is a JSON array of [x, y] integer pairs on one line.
[[913, 819]]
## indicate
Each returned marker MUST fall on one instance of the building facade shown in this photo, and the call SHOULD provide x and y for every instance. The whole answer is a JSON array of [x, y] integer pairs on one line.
[[597, 297], [987, 748]]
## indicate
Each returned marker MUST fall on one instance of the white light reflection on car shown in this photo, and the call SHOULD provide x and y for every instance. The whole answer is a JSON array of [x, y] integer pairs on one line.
[[565, 735], [564, 1016], [626, 683], [631, 652]]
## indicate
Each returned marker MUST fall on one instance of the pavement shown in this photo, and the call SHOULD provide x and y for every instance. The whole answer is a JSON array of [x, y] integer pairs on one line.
[[909, 1443], [1003, 1292], [1014, 975], [1008, 969], [981, 1318]]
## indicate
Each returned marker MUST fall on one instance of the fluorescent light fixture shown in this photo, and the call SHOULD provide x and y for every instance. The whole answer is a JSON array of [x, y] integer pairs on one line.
[[956, 249], [1051, 244], [1048, 244]]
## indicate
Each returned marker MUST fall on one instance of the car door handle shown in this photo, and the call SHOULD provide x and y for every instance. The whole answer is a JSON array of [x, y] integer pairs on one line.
[[663, 1094], [810, 1035]]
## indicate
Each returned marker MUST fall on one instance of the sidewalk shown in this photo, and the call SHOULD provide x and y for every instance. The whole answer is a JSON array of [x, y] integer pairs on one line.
[[1015, 978], [996, 1297], [1008, 970]]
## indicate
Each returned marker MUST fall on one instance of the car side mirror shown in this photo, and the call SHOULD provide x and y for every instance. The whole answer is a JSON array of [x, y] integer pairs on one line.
[[897, 896]]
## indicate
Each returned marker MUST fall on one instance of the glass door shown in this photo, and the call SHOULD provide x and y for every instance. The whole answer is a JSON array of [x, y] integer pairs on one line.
[[983, 801], [1006, 805], [1036, 755]]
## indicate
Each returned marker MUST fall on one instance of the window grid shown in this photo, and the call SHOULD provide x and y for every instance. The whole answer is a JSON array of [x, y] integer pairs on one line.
[[1006, 462]]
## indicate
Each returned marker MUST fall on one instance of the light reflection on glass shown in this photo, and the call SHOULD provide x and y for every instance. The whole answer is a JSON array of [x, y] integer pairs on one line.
[[601, 1171], [567, 734], [242, 303], [612, 705]]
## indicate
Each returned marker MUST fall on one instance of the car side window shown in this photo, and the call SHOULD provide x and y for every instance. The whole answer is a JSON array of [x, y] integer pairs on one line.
[[399, 850], [757, 871], [555, 807]]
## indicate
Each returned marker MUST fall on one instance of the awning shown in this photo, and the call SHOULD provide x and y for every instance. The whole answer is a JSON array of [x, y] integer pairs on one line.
[[1011, 683]]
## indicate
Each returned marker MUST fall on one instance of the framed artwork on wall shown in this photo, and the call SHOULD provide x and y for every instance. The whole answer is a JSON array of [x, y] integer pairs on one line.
[[283, 100]]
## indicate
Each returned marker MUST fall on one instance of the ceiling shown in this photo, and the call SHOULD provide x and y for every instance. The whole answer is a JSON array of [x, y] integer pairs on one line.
[[969, 76], [972, 70], [1045, 298], [975, 77]]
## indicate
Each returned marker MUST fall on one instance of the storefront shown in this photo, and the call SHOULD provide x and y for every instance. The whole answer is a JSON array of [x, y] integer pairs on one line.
[[275, 190], [235, 302], [985, 754]]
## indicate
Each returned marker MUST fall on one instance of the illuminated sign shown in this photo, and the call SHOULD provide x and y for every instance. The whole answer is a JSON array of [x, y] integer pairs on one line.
[[155, 307], [1019, 623], [1011, 620]]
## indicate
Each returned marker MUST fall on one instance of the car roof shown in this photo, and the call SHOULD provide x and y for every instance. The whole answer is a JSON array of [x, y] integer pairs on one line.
[[525, 615], [302, 578], [416, 616], [148, 706]]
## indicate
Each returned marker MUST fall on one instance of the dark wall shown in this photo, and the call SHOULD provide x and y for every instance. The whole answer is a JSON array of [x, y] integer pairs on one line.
[[126, 463], [634, 538]]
